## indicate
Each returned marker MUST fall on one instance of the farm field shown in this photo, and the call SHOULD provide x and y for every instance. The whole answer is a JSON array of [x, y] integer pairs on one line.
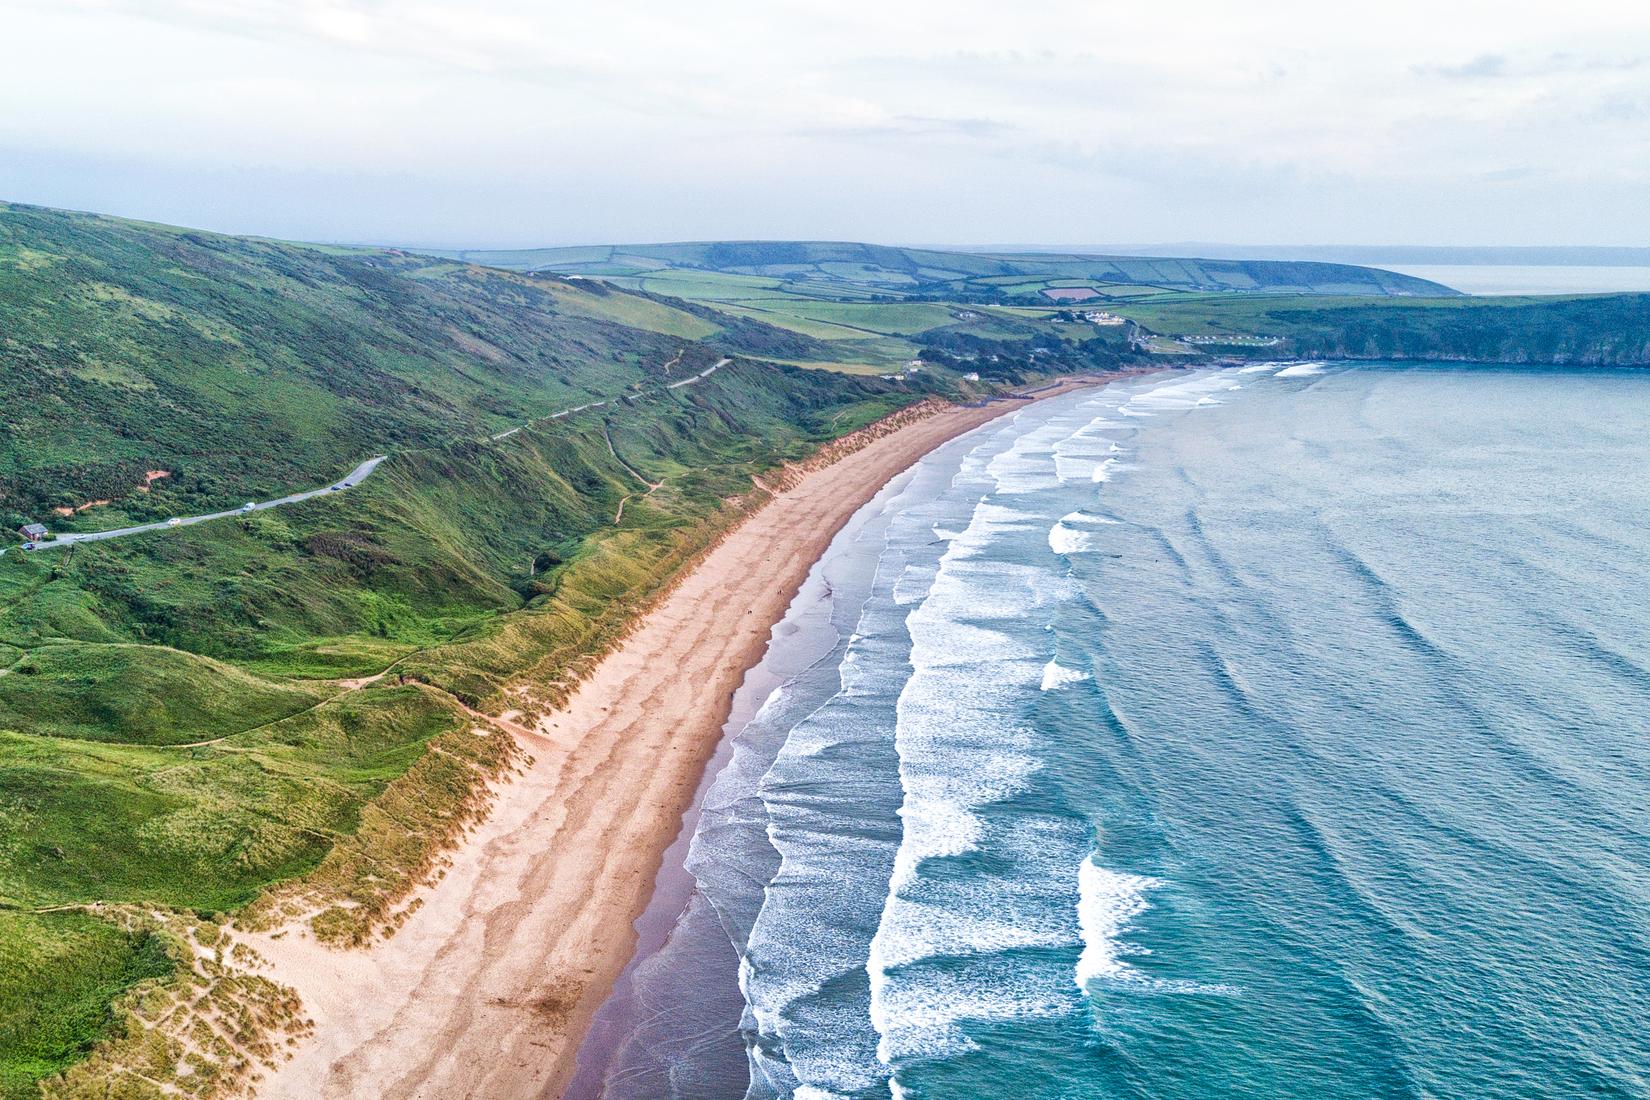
[[877, 306], [821, 268]]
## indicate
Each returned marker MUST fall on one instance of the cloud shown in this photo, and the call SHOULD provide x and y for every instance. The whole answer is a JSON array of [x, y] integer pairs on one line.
[[962, 118], [1508, 175], [916, 126], [1484, 65]]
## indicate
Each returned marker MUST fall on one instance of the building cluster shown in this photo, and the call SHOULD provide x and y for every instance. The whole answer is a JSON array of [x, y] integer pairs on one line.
[[1247, 341]]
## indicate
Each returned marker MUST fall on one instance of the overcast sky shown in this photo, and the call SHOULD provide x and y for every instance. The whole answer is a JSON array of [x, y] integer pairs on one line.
[[1060, 122]]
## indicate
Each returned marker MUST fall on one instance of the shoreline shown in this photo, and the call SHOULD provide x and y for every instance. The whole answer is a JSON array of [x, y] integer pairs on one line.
[[805, 636], [490, 987]]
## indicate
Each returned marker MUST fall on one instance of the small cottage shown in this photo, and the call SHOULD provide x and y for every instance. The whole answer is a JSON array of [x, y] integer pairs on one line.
[[32, 532]]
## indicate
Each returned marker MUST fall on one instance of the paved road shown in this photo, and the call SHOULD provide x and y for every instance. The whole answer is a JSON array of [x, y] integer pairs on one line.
[[349, 481], [688, 381], [706, 373]]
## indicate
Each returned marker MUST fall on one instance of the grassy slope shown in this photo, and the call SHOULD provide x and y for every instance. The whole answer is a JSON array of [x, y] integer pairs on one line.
[[856, 335], [246, 366], [250, 367], [465, 567], [62, 971]]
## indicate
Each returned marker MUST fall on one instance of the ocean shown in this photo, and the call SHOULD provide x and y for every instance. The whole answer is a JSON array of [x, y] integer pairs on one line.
[[1501, 279], [1278, 731]]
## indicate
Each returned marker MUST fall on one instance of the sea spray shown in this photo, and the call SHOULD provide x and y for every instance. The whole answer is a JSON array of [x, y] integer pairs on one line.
[[1056, 675]]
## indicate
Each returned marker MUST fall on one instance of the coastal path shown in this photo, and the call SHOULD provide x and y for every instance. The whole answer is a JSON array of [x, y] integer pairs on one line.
[[350, 480]]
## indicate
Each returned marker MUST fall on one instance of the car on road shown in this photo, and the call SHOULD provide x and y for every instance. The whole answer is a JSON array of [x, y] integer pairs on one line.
[[31, 546], [248, 507], [335, 488], [174, 522]]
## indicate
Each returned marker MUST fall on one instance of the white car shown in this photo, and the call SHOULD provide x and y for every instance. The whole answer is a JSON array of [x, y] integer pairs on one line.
[[248, 507], [174, 522]]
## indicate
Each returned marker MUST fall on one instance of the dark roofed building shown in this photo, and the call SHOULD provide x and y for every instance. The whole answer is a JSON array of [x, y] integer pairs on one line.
[[34, 532]]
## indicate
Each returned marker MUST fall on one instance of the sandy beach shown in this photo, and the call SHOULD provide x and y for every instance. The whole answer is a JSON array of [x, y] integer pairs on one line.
[[489, 986]]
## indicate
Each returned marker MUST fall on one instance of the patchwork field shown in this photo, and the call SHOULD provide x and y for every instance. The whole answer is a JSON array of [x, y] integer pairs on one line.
[[861, 270]]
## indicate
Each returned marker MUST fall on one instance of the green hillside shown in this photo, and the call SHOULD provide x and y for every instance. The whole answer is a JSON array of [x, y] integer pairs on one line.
[[246, 367], [876, 309], [190, 716], [858, 305], [857, 271]]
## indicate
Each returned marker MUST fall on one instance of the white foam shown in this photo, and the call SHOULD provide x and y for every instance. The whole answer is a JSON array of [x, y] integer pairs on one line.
[[960, 750], [1301, 370], [1182, 394], [933, 930], [1024, 467], [1065, 540], [1077, 456], [934, 827], [1056, 675], [1107, 902], [1064, 448], [949, 945], [925, 1024], [1073, 535], [1070, 466], [1258, 368]]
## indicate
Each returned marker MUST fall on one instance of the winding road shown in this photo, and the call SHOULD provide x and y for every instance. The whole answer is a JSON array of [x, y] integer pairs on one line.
[[349, 481]]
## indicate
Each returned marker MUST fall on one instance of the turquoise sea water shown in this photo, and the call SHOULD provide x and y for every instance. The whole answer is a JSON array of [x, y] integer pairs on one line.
[[1281, 732]]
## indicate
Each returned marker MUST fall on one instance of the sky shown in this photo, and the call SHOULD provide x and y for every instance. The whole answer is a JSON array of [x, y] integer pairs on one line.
[[497, 123]]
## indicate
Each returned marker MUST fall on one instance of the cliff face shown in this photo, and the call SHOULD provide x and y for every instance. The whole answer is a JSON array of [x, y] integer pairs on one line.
[[1611, 330], [1600, 329]]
